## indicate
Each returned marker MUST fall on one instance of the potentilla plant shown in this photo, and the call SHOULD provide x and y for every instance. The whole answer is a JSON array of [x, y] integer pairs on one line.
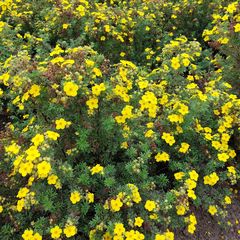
[[119, 125], [100, 151]]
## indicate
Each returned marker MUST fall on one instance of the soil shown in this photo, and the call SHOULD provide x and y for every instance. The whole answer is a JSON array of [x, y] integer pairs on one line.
[[208, 228]]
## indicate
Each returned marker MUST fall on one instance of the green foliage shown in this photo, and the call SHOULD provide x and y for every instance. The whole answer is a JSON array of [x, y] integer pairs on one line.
[[121, 117]]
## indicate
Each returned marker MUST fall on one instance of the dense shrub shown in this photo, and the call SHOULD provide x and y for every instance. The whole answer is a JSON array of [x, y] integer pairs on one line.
[[223, 37], [121, 120]]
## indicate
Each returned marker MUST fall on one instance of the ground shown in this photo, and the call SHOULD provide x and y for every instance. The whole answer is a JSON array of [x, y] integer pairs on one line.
[[209, 229]]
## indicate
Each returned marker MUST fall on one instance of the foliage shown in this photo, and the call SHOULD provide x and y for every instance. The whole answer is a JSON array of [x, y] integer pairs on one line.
[[122, 120]]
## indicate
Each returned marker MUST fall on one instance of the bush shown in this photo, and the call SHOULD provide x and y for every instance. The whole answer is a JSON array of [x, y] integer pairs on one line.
[[118, 127]]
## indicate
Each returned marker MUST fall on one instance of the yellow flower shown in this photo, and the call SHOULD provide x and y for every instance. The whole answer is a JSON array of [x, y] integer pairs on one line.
[[52, 135], [232, 154], [232, 7], [169, 235], [57, 60], [35, 90], [211, 179], [57, 50], [4, 78], [65, 26], [232, 170], [149, 133], [162, 157], [212, 210], [2, 23], [30, 181], [13, 148], [37, 140], [138, 221], [223, 157], [191, 184], [216, 144], [179, 175], [75, 197], [191, 85], [127, 111], [181, 210], [160, 237], [89, 63], [1, 208], [81, 10], [136, 197], [25, 168], [52, 179], [68, 62], [116, 204], [28, 234], [20, 205], [193, 219], [143, 84], [32, 153], [191, 228], [191, 194], [175, 118], [128, 64], [150, 125], [90, 197], [227, 200], [150, 205], [119, 229], [22, 192], [147, 28], [120, 119], [61, 123], [92, 103], [43, 169], [98, 73], [168, 138], [102, 38], [153, 216], [184, 147], [70, 231], [164, 99], [175, 63], [36, 236], [70, 88], [185, 62], [56, 232], [96, 169], [130, 234], [98, 88], [124, 145], [107, 28], [139, 235], [193, 175], [237, 27], [106, 236], [225, 137], [122, 54], [224, 40]]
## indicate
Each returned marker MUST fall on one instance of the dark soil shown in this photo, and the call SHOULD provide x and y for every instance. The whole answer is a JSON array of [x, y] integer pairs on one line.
[[207, 227]]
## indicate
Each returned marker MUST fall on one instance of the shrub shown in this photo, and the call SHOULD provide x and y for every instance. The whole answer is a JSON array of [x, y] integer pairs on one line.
[[117, 139], [223, 37]]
